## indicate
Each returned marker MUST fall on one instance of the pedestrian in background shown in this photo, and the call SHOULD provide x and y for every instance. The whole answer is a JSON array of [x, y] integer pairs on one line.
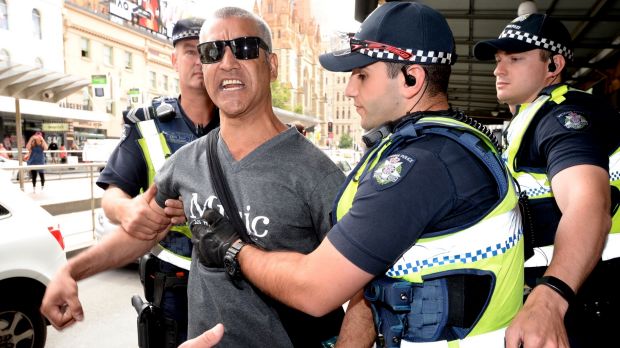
[[3, 154], [36, 156]]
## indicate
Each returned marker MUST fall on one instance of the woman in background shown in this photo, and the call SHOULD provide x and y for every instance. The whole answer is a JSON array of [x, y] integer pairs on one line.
[[36, 145]]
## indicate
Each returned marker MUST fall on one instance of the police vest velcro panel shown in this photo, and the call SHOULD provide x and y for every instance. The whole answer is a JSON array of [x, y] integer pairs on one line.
[[493, 246], [537, 185]]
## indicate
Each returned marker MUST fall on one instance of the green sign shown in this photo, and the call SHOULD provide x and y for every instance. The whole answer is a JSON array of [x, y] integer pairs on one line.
[[99, 79]]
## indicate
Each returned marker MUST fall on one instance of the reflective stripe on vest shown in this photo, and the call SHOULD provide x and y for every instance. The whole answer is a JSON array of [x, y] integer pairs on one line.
[[494, 244], [156, 150], [493, 339], [537, 185]]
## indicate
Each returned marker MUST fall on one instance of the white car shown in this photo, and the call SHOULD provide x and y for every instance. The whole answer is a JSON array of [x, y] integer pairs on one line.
[[31, 252]]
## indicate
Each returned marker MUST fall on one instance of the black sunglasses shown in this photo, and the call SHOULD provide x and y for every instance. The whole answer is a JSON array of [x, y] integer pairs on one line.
[[242, 47]]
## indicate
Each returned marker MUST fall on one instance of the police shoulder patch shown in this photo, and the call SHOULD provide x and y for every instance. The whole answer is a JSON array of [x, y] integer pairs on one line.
[[572, 120], [392, 170]]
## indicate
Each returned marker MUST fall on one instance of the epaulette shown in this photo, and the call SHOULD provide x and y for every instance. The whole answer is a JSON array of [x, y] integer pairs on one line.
[[138, 113]]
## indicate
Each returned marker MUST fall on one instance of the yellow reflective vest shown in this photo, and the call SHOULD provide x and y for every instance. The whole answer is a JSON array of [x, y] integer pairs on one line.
[[493, 245], [537, 185]]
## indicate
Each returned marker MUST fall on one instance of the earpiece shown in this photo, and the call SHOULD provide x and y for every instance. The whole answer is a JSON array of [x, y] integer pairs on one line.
[[409, 79], [552, 66]]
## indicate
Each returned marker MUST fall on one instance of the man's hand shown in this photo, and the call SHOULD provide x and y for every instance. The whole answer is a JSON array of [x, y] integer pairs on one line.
[[208, 339], [139, 220], [215, 234], [540, 323], [174, 210], [60, 304]]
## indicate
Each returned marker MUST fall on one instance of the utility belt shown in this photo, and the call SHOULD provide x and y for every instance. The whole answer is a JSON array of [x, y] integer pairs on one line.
[[155, 329], [439, 309]]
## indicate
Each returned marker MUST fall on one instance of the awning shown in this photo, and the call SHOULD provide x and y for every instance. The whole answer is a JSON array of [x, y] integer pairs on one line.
[[37, 109], [27, 82], [291, 117]]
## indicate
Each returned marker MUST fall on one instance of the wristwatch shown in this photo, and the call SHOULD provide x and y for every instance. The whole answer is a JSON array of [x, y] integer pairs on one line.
[[231, 264]]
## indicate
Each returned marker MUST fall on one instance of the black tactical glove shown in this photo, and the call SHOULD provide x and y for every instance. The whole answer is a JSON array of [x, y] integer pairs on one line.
[[213, 234]]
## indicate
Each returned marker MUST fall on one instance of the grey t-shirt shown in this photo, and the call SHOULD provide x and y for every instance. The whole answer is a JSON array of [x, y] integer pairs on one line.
[[284, 190]]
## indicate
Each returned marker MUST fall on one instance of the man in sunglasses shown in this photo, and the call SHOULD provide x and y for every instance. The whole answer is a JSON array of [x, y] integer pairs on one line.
[[284, 187], [428, 231]]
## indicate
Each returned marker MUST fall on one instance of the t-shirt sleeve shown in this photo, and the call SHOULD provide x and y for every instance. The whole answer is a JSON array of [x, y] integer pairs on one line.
[[126, 167], [570, 137], [166, 188], [405, 193]]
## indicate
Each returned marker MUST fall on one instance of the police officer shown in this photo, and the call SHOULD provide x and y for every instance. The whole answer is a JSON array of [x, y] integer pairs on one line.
[[427, 222], [562, 146], [132, 166]]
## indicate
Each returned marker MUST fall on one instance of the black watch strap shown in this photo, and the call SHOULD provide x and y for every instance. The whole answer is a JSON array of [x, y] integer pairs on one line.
[[230, 259], [558, 286]]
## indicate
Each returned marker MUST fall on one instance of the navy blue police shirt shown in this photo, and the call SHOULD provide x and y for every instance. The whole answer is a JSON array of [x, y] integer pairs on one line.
[[581, 130], [126, 168], [439, 186]]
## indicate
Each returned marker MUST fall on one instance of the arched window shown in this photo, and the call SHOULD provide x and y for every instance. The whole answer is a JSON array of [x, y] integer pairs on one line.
[[36, 24], [5, 58], [4, 15]]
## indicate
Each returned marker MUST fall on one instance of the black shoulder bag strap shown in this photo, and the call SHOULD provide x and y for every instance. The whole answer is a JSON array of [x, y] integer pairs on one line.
[[222, 190], [303, 330]]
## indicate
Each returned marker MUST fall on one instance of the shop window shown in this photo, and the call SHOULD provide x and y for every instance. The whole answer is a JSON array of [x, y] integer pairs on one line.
[[36, 24], [108, 55], [4, 15], [85, 47]]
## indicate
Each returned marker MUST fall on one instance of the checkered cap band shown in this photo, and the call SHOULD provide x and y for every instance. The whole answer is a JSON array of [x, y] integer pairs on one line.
[[537, 41], [463, 258], [185, 34], [419, 56]]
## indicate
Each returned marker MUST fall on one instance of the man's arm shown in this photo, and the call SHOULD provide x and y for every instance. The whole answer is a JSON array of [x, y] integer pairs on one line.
[[358, 329], [134, 214], [60, 303], [583, 196], [316, 283]]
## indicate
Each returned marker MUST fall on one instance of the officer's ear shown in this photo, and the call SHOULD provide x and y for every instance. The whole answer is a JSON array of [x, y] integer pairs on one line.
[[412, 80], [559, 63], [173, 59]]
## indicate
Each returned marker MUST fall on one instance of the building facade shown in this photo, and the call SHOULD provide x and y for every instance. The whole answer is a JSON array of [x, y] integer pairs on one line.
[[126, 64], [33, 78]]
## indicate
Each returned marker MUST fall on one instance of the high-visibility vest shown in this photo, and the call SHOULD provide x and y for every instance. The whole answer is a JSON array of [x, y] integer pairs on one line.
[[493, 245], [537, 185]]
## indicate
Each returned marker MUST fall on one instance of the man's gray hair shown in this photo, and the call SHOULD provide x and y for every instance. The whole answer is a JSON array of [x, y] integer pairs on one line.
[[264, 32]]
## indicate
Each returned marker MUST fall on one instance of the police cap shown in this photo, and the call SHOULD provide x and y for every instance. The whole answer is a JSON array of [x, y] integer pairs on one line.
[[187, 28]]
